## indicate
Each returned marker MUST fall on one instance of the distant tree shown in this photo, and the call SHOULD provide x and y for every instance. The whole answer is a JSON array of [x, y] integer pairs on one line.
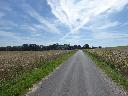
[[86, 46], [34, 47], [100, 47], [79, 47], [8, 48], [75, 47], [93, 47], [25, 47]]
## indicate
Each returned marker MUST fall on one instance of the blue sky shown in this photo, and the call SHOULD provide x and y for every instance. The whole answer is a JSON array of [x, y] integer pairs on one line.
[[96, 22]]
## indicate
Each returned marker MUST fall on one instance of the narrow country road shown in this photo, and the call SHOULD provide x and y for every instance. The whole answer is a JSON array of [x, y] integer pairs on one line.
[[78, 76]]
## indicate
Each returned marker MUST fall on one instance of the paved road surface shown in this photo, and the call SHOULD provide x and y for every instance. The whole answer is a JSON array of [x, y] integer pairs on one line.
[[77, 76]]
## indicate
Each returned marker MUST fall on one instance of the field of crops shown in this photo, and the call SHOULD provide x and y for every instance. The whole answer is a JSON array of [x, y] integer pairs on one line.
[[14, 63], [116, 57]]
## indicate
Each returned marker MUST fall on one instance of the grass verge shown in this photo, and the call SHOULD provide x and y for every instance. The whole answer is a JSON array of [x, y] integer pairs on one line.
[[21, 85], [110, 71]]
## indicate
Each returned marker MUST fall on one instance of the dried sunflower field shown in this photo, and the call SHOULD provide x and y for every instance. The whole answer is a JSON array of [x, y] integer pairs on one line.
[[116, 57], [14, 63]]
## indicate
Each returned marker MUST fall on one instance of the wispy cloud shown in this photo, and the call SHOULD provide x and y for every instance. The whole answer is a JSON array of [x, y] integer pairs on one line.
[[108, 36], [2, 14], [46, 25], [7, 24], [76, 14], [64, 21], [4, 22], [8, 34], [28, 28], [109, 25], [5, 6]]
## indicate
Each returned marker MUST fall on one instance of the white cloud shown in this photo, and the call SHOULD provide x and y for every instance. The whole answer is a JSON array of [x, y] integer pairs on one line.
[[2, 14], [76, 14], [106, 35], [101, 25], [46, 25], [109, 25], [29, 28], [5, 5], [40, 27], [8, 34], [7, 23], [34, 29]]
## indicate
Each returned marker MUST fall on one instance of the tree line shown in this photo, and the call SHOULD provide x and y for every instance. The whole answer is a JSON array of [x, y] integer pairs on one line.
[[35, 47]]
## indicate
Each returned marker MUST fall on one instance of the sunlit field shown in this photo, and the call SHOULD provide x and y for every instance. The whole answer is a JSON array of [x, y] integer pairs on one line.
[[116, 57], [19, 70], [14, 63]]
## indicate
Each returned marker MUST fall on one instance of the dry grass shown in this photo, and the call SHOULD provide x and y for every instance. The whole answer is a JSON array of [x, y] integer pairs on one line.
[[20, 70], [13, 64], [116, 57]]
